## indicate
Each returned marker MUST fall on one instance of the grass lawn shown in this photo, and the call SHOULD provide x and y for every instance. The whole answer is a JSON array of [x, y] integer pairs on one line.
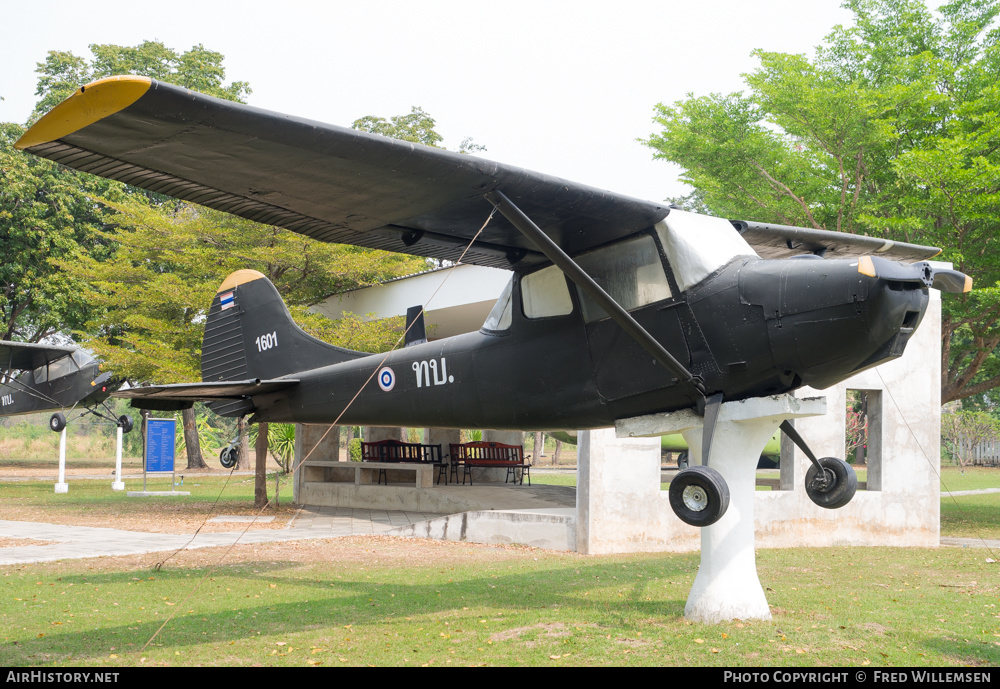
[[386, 601], [383, 601]]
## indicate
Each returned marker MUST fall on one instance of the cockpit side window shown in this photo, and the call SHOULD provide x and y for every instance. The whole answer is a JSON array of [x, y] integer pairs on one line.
[[41, 374], [631, 272], [61, 367], [544, 293], [499, 318]]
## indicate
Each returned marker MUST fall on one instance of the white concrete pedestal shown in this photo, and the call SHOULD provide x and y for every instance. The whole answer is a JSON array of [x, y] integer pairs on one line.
[[727, 586], [118, 484], [62, 486]]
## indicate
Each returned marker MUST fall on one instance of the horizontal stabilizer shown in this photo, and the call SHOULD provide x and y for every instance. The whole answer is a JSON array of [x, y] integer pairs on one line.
[[168, 397]]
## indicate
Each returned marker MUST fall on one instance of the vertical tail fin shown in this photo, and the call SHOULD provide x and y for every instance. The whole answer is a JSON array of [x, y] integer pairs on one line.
[[250, 334]]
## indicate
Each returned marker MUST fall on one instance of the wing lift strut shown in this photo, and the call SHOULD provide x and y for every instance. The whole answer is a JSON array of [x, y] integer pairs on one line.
[[699, 491]]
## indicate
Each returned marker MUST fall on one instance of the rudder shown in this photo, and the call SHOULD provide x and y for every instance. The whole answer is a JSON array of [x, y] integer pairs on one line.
[[250, 334]]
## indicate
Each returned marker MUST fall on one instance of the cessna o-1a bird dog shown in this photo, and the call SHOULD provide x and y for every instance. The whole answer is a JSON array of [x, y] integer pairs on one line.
[[617, 307], [38, 377]]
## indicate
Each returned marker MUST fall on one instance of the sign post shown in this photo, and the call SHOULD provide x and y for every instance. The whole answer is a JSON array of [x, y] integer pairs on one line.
[[159, 455]]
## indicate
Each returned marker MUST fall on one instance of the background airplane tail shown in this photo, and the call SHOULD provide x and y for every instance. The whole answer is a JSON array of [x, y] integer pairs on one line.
[[250, 334]]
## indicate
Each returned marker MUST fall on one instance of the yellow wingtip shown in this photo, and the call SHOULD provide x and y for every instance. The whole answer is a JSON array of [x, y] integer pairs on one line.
[[87, 105], [238, 278]]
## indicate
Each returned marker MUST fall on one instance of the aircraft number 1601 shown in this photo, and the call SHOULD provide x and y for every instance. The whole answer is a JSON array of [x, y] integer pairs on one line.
[[267, 341]]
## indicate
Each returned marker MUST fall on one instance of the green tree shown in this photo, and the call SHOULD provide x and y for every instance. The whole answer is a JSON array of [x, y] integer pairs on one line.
[[890, 129], [48, 211], [152, 291], [198, 69], [417, 127]]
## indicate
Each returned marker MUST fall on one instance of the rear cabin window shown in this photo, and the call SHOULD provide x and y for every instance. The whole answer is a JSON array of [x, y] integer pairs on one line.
[[41, 374], [545, 294], [630, 272]]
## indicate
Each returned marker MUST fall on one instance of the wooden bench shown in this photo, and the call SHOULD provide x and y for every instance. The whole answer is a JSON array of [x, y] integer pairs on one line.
[[490, 455], [397, 452]]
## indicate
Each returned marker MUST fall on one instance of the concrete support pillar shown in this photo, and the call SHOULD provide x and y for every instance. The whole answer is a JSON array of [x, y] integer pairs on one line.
[[727, 586], [118, 483], [374, 434], [62, 486], [619, 506], [505, 437], [312, 441], [443, 437]]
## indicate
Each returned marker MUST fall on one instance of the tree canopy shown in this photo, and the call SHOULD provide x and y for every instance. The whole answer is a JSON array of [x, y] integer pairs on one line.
[[892, 128]]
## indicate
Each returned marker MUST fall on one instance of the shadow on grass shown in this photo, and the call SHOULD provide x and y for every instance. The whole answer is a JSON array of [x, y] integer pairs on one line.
[[319, 599]]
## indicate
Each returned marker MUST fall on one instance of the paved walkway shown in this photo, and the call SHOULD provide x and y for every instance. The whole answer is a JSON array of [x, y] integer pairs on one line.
[[87, 541]]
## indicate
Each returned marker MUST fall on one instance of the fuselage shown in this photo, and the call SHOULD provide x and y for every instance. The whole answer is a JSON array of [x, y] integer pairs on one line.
[[61, 384], [546, 359]]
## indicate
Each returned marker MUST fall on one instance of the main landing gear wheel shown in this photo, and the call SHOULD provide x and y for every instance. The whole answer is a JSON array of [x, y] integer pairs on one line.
[[699, 496], [125, 423], [57, 422], [229, 456], [835, 486]]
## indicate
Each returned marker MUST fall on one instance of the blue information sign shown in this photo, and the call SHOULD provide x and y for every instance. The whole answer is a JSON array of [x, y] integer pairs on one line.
[[160, 434]]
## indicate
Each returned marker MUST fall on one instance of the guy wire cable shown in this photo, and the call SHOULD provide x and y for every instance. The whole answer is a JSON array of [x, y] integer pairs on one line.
[[296, 466]]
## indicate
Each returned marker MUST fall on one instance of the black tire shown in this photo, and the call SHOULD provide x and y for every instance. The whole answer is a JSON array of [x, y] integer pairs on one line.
[[125, 423], [839, 487], [229, 456], [682, 460], [699, 496], [57, 422]]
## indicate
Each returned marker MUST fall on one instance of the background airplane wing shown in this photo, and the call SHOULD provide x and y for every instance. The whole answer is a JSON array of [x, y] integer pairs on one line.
[[330, 183], [24, 356]]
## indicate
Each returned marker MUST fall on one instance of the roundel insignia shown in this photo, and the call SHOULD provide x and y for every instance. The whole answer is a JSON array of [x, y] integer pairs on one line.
[[386, 379]]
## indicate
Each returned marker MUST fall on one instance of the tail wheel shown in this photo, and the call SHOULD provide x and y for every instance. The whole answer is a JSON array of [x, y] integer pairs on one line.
[[125, 423], [682, 460], [229, 456], [699, 496], [57, 422], [834, 486]]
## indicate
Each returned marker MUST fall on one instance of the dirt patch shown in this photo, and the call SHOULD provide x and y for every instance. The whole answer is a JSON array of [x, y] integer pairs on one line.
[[367, 551], [554, 630], [874, 627], [173, 519], [7, 542]]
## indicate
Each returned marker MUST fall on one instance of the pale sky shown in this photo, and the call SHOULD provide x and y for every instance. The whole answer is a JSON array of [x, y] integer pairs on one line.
[[564, 88]]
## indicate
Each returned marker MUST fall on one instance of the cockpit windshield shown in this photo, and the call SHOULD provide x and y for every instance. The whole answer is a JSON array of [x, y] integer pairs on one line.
[[698, 245]]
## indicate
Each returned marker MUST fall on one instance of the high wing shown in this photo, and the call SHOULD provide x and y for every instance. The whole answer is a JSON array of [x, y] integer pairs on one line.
[[24, 356], [340, 185]]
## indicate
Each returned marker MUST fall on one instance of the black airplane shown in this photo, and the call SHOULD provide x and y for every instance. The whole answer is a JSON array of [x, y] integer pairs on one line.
[[37, 378], [617, 307]]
